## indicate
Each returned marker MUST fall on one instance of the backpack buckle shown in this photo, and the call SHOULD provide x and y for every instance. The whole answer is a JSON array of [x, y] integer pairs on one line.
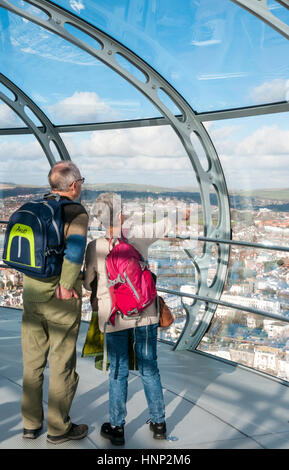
[[132, 312], [132, 315], [118, 280], [50, 251]]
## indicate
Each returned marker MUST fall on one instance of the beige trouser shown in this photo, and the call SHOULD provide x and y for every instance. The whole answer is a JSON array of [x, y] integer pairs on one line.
[[49, 331]]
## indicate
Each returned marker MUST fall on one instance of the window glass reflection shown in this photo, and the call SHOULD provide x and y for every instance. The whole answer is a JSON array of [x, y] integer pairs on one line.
[[254, 154], [68, 84], [258, 279], [279, 10], [216, 54], [149, 168]]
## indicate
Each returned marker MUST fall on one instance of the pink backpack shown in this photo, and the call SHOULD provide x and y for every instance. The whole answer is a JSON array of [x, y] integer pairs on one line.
[[131, 284]]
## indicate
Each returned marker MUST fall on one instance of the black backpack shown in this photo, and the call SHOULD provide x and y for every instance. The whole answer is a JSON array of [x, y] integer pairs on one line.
[[34, 243]]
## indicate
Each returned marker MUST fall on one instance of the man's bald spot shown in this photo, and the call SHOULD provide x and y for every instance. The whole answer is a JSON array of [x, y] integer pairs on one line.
[[62, 175]]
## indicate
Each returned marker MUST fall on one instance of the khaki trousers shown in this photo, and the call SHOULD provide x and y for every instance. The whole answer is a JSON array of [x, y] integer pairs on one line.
[[49, 332]]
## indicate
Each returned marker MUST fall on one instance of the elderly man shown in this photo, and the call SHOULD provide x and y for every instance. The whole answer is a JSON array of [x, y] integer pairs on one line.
[[51, 320]]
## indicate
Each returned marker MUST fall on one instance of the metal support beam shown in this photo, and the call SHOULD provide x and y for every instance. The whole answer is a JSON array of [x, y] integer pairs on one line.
[[259, 246], [260, 9], [248, 111], [235, 113], [208, 300], [46, 134], [97, 126]]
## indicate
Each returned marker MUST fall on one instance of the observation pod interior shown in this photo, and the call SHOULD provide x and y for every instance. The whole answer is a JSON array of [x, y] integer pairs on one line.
[[224, 363]]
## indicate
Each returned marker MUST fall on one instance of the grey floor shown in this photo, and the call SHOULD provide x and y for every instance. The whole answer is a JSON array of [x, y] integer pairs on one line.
[[209, 404]]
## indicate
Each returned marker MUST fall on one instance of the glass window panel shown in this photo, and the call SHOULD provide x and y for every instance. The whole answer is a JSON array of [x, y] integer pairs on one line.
[[82, 36], [150, 156], [212, 266], [140, 162], [132, 69], [7, 92], [23, 163], [254, 340], [32, 116], [67, 83], [216, 54], [258, 279], [200, 150], [279, 10], [149, 168], [254, 154], [169, 103], [28, 8]]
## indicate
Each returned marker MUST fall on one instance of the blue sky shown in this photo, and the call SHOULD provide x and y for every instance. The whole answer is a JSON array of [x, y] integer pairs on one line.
[[215, 54]]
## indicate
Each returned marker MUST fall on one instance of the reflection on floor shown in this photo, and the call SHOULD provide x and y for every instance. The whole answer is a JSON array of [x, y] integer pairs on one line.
[[209, 404]]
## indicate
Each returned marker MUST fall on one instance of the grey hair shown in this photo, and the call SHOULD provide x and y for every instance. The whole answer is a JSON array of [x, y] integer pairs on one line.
[[107, 208], [62, 175]]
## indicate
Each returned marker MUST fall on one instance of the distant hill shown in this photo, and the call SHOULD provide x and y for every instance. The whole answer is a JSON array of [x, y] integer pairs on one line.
[[137, 187], [274, 193], [278, 199], [13, 191], [278, 194]]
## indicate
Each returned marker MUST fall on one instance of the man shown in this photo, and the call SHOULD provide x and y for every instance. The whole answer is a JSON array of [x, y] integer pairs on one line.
[[51, 320]]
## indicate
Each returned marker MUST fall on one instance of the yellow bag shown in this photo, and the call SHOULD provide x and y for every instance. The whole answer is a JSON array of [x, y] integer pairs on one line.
[[94, 346]]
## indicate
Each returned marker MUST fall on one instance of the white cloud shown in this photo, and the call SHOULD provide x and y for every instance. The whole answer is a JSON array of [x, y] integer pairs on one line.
[[156, 142], [155, 155], [147, 155], [81, 107], [269, 140], [271, 91], [206, 43], [77, 5], [222, 76], [8, 118], [22, 161], [39, 98], [258, 160], [25, 149]]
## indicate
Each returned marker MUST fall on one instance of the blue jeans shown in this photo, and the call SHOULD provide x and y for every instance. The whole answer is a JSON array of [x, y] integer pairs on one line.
[[146, 352]]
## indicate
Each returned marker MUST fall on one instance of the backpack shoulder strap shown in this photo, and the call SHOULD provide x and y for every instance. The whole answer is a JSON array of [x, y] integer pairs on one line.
[[112, 243], [99, 244]]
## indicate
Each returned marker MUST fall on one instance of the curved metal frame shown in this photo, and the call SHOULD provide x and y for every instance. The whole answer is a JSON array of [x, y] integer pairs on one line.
[[44, 134], [189, 123], [260, 9]]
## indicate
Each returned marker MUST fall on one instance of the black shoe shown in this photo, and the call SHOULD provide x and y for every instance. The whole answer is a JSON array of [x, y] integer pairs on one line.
[[159, 430], [77, 431], [116, 434], [31, 433]]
